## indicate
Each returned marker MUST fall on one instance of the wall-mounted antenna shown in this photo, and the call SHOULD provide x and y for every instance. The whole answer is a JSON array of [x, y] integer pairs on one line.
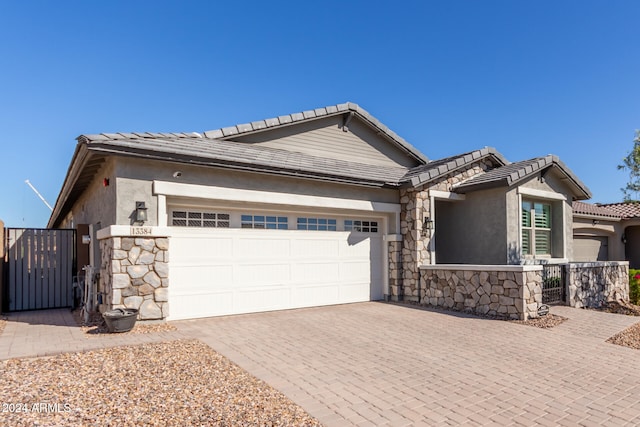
[[39, 195]]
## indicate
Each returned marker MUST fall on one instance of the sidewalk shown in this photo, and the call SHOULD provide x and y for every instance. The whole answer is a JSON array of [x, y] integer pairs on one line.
[[48, 332]]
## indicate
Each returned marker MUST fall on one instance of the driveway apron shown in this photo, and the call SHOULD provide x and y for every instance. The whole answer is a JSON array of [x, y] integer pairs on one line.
[[384, 364]]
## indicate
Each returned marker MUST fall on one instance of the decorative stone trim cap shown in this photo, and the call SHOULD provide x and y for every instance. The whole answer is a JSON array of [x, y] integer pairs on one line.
[[133, 231], [481, 267]]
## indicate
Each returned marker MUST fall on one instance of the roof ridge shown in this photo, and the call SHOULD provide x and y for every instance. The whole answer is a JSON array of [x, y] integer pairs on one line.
[[423, 173], [106, 136]]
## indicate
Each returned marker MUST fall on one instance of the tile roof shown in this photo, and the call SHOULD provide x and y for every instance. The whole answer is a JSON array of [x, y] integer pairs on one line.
[[625, 210], [332, 110], [582, 208], [434, 169], [515, 172], [195, 149]]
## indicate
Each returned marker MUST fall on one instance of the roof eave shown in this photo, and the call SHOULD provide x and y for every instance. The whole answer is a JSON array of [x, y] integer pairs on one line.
[[583, 191], [210, 162], [79, 157], [597, 217]]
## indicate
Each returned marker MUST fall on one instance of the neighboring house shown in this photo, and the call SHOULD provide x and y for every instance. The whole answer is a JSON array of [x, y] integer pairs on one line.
[[604, 232], [321, 207]]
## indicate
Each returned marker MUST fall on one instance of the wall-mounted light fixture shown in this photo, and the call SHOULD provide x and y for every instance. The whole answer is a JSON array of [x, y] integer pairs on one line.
[[595, 222], [624, 239], [141, 212], [427, 224]]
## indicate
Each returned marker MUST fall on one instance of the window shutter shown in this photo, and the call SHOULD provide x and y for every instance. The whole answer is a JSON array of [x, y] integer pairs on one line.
[[543, 242], [543, 215], [526, 214]]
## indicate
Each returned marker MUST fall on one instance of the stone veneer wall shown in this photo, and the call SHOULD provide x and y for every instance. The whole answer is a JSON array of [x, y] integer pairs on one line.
[[415, 206], [135, 274], [592, 284], [395, 266], [513, 292]]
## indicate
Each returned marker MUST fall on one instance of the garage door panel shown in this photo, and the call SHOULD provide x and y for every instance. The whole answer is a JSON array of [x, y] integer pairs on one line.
[[233, 271], [193, 248], [260, 299], [315, 272], [253, 248], [353, 292], [360, 247], [202, 278], [261, 274], [201, 305], [309, 296], [590, 248], [312, 248], [356, 270]]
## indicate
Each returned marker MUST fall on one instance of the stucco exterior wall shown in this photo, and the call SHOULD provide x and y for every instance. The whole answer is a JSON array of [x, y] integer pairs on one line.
[[473, 231], [136, 178], [97, 204], [562, 216]]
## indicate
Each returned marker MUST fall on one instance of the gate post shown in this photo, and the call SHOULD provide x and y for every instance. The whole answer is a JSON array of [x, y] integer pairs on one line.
[[3, 245]]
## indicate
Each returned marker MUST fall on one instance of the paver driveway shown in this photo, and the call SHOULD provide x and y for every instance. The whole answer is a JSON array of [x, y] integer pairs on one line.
[[384, 364]]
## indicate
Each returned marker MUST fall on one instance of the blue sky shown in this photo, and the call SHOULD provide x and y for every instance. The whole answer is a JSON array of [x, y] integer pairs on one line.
[[528, 78]]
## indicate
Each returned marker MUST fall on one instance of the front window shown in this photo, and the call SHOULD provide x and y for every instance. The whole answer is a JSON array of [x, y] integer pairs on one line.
[[536, 228]]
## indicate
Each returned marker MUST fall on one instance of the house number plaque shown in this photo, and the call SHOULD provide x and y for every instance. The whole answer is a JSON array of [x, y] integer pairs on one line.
[[141, 231]]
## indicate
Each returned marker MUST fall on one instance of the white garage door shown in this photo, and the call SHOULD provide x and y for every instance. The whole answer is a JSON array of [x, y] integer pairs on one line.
[[230, 271], [590, 248]]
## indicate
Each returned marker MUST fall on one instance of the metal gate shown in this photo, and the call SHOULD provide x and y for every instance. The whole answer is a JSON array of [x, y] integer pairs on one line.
[[40, 265], [553, 284]]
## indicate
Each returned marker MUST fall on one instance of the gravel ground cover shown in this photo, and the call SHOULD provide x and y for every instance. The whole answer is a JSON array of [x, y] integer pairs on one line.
[[544, 322], [96, 325], [173, 383], [630, 337]]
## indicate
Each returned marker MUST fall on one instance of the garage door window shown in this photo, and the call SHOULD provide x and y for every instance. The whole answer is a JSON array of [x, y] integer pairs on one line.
[[200, 219], [320, 224], [361, 226], [264, 222]]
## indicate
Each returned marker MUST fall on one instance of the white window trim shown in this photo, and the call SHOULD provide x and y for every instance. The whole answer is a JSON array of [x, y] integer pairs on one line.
[[540, 194], [552, 196]]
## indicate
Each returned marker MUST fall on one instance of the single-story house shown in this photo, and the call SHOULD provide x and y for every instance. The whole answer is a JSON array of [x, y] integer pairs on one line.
[[325, 206], [604, 232]]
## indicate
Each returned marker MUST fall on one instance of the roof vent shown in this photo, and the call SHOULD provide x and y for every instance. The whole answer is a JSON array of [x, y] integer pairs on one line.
[[196, 134]]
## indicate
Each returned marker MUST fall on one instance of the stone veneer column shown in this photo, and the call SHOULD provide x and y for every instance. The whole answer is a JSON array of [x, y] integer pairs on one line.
[[593, 284], [134, 272], [415, 207], [394, 247]]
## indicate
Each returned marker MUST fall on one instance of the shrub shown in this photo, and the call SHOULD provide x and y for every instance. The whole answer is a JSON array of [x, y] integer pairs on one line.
[[634, 286]]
